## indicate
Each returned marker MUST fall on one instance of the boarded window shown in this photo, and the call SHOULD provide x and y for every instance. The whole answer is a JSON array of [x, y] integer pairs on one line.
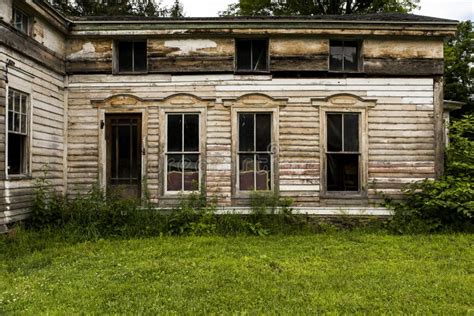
[[344, 56], [343, 152], [18, 108], [182, 152], [132, 56], [21, 21], [252, 55], [255, 151]]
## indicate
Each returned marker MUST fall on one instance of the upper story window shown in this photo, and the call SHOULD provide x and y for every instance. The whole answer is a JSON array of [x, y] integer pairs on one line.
[[344, 56], [17, 137], [21, 21], [251, 55], [132, 56], [182, 152], [255, 151]]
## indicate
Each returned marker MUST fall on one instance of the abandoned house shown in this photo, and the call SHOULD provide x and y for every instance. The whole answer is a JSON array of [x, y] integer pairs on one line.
[[327, 110]]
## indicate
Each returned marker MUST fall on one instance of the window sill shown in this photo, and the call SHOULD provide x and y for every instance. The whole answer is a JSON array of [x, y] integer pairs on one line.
[[252, 72], [345, 71], [118, 73], [344, 195], [18, 177]]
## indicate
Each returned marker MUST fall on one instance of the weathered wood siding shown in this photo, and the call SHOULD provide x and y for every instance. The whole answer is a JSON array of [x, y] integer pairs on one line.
[[296, 54], [299, 54], [46, 91], [3, 91], [400, 130], [191, 55]]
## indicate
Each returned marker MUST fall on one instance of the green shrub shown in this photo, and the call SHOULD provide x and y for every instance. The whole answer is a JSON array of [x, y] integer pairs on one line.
[[446, 203]]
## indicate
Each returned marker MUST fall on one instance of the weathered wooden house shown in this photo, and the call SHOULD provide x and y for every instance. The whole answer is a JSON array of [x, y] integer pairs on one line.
[[328, 110]]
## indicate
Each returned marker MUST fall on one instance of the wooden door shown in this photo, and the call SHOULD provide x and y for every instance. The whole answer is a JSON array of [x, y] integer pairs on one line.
[[124, 152]]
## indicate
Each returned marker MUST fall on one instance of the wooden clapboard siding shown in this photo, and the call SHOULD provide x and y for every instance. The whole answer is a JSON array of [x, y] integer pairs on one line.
[[174, 55], [400, 130], [46, 91], [3, 91], [219, 154]]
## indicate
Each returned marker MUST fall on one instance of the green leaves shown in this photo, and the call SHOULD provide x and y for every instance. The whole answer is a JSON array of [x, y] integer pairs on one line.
[[458, 55], [312, 7], [446, 203]]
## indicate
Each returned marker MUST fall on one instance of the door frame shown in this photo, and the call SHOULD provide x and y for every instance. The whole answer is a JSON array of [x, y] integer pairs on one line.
[[102, 154], [109, 117]]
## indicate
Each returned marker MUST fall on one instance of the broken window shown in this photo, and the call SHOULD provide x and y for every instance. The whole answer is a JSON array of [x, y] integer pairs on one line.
[[255, 151], [252, 55], [342, 152], [18, 108], [132, 56], [182, 152], [21, 21], [344, 56]]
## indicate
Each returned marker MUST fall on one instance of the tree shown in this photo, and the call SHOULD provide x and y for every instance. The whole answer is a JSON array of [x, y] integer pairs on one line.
[[109, 8], [317, 7], [176, 10], [458, 70]]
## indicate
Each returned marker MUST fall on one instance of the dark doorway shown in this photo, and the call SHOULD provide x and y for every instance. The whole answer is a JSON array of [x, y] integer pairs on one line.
[[123, 137]]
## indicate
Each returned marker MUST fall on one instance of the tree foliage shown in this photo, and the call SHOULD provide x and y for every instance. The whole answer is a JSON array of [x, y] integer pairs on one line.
[[446, 203], [458, 74], [110, 8], [176, 10], [317, 7]]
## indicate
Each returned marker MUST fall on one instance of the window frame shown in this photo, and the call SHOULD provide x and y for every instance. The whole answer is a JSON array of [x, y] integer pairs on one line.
[[200, 151], [255, 152], [28, 19], [359, 47], [116, 59], [250, 71], [244, 107], [26, 163], [363, 147]]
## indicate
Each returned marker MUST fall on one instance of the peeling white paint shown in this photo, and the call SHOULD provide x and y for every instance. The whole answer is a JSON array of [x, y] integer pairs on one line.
[[88, 50], [187, 46]]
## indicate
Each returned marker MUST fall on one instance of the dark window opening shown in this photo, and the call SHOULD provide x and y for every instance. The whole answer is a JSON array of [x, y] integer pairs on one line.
[[255, 151], [132, 56], [21, 21], [343, 152], [182, 152], [17, 132], [344, 56], [251, 55]]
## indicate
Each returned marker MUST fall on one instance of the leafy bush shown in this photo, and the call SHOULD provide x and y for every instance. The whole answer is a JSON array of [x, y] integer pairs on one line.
[[99, 214], [446, 203]]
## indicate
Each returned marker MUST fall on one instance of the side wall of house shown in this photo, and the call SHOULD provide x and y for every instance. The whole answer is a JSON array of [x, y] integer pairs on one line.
[[46, 131], [400, 129]]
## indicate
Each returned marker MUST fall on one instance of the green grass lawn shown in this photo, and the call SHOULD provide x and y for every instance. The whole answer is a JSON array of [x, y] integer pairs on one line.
[[342, 272]]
